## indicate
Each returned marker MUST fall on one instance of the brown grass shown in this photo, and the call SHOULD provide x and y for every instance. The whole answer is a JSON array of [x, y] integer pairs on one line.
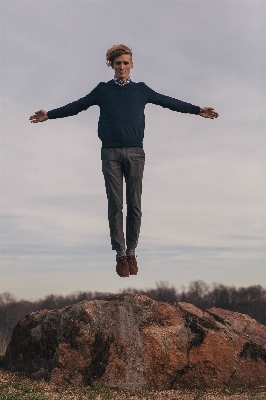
[[16, 387]]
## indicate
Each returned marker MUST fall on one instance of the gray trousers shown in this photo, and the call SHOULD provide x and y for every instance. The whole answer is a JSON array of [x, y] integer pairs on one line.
[[119, 162]]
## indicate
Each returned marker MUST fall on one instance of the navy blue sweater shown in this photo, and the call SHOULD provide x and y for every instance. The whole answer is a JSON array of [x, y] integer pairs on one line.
[[122, 119]]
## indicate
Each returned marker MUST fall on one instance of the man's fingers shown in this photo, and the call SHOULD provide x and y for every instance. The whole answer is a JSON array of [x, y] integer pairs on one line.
[[208, 112], [34, 118], [212, 113]]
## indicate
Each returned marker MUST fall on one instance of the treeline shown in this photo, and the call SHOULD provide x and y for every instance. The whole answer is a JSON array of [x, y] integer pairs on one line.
[[250, 300]]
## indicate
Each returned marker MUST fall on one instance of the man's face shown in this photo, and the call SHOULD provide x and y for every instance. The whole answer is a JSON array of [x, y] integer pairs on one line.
[[122, 66]]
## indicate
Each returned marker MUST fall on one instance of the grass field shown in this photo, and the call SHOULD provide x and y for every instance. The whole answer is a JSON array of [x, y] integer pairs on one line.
[[16, 387]]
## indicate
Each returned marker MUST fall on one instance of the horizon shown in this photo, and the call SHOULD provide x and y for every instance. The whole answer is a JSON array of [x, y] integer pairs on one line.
[[181, 289]]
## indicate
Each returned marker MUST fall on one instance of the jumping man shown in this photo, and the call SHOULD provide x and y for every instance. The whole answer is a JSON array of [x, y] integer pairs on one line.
[[121, 130]]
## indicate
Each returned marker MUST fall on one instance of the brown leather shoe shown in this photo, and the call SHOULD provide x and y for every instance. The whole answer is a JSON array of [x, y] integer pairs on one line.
[[132, 264], [122, 268]]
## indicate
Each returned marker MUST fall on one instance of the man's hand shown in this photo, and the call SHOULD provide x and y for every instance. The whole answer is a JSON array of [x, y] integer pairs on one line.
[[208, 112], [39, 116]]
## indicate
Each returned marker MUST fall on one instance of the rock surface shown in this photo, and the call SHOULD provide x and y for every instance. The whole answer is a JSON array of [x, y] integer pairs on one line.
[[131, 342]]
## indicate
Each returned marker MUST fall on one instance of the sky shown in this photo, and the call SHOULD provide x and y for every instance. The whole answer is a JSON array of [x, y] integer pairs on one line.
[[204, 192]]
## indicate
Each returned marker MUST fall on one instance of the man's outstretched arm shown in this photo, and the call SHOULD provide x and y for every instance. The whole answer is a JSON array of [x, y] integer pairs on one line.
[[69, 109], [39, 116], [178, 105], [208, 112]]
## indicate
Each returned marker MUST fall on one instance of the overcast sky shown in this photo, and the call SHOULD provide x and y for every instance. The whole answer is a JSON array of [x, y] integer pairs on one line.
[[204, 191]]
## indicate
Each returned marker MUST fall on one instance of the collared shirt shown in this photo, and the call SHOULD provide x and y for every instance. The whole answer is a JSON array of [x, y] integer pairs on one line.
[[120, 82]]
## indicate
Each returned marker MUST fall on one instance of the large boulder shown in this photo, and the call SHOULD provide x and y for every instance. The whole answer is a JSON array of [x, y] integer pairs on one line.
[[131, 342]]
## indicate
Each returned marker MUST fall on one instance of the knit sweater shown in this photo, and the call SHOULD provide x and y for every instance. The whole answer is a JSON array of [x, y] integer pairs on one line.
[[122, 120]]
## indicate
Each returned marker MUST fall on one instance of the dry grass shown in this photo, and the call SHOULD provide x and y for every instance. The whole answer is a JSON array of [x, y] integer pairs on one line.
[[16, 387]]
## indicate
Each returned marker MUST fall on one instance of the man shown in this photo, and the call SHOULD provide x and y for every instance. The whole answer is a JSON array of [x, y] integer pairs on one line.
[[121, 130]]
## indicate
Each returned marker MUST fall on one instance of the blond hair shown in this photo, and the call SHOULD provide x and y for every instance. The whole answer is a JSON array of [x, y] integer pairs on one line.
[[116, 51]]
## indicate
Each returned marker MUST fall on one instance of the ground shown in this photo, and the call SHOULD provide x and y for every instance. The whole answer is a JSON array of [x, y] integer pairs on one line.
[[16, 387]]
